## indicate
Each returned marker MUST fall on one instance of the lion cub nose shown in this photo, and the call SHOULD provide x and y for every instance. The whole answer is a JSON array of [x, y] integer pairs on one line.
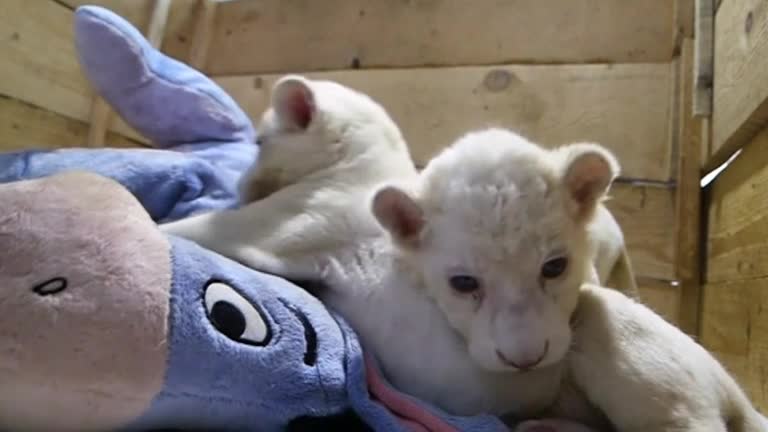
[[527, 362]]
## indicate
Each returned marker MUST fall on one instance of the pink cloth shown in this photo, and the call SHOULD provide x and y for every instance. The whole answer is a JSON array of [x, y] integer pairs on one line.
[[415, 417]]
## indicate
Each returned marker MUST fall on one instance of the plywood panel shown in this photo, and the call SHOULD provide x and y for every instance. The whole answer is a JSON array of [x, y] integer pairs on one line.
[[23, 126], [289, 35], [134, 11], [646, 215], [741, 75], [39, 64], [735, 329], [624, 107], [738, 217]]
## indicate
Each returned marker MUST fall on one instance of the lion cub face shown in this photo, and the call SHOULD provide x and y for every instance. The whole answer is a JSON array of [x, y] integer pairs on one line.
[[497, 229]]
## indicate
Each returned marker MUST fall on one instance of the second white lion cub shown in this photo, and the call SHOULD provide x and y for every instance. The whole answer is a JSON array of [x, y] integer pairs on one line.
[[323, 148]]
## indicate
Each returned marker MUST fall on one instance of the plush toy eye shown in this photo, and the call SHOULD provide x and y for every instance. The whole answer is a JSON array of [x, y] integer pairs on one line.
[[464, 284], [234, 316], [51, 286], [554, 267]]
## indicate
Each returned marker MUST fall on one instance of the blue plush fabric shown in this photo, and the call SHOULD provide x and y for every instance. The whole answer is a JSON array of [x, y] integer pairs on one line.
[[214, 381], [173, 105], [206, 141], [169, 184]]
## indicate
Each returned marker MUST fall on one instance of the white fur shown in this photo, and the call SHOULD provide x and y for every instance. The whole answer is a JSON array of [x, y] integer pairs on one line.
[[305, 172], [493, 205], [647, 375]]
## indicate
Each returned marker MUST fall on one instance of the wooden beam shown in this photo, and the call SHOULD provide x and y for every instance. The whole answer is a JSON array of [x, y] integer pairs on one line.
[[285, 36], [684, 19], [624, 107], [198, 50], [741, 76], [24, 126], [703, 58], [688, 201], [737, 237], [101, 115], [157, 22]]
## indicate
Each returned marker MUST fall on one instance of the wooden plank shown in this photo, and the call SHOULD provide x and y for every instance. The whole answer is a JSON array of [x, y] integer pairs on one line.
[[289, 35], [688, 202], [737, 246], [201, 41], [741, 76], [624, 107], [661, 296], [684, 12], [646, 215], [735, 329], [101, 115], [40, 64], [23, 126], [703, 58], [134, 11]]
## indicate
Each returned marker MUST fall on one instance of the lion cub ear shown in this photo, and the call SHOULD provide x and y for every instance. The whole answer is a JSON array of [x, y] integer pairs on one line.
[[400, 215], [587, 172], [294, 102]]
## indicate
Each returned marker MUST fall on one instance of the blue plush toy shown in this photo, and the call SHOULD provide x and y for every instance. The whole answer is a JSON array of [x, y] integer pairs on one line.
[[108, 324]]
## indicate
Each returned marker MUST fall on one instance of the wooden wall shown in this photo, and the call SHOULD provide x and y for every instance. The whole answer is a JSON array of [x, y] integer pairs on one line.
[[735, 294], [559, 71], [45, 101]]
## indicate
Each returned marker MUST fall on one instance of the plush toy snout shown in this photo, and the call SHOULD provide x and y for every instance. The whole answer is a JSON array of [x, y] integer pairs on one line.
[[82, 323]]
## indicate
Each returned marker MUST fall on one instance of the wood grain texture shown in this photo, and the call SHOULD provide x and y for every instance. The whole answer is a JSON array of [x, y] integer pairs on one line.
[[684, 12], [136, 12], [735, 329], [703, 57], [741, 76], [39, 63], [205, 13], [23, 126], [646, 215], [688, 202], [624, 107], [294, 35], [737, 239]]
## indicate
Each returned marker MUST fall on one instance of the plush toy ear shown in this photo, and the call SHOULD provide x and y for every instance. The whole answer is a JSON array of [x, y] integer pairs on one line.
[[294, 101], [588, 171], [399, 214]]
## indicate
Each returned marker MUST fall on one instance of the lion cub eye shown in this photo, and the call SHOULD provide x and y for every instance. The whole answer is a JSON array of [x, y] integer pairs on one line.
[[464, 284], [554, 267]]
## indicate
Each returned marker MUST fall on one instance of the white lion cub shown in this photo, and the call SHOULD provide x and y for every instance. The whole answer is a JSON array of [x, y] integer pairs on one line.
[[496, 235], [323, 148]]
